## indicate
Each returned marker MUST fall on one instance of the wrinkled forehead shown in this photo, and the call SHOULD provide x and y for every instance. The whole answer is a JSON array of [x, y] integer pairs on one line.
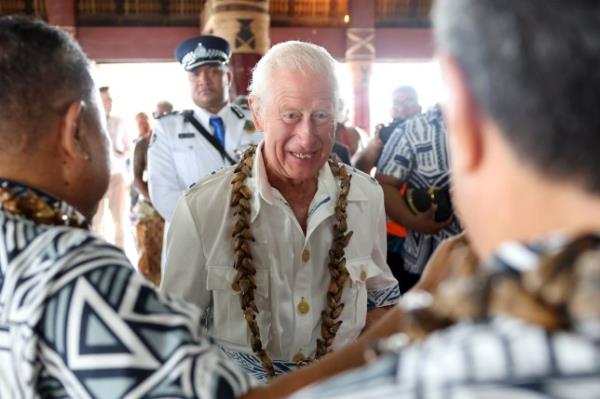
[[294, 85]]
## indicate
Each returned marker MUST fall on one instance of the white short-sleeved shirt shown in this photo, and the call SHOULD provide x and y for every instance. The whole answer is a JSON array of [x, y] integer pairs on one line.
[[178, 155], [291, 266]]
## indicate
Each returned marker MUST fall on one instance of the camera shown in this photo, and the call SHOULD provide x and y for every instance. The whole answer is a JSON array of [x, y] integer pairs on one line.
[[421, 199], [387, 130]]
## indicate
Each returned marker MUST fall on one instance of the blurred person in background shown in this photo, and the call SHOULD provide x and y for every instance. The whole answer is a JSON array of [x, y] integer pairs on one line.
[[117, 196], [150, 225]]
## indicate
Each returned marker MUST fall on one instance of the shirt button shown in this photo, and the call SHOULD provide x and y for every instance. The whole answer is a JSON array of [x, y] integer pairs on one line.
[[305, 255], [303, 306], [299, 357], [363, 275]]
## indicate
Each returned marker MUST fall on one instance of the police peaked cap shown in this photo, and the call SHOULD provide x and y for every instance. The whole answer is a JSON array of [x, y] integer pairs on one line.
[[200, 50]]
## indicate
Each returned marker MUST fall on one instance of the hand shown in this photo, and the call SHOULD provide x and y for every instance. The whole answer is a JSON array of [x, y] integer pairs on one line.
[[448, 253], [425, 223]]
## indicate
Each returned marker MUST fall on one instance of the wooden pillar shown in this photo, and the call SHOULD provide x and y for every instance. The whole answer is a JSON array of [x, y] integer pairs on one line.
[[245, 25], [62, 14], [360, 54]]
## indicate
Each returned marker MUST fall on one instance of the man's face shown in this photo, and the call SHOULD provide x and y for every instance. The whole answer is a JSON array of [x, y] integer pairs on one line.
[[209, 85], [404, 105], [298, 124], [143, 125]]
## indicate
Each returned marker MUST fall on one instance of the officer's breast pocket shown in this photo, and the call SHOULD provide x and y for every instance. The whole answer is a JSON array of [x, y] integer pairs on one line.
[[186, 165]]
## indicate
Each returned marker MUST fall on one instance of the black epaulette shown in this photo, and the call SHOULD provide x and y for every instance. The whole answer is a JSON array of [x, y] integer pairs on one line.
[[237, 111], [166, 114]]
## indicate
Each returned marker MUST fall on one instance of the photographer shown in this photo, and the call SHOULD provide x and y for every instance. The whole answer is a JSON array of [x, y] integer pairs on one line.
[[405, 104], [416, 156]]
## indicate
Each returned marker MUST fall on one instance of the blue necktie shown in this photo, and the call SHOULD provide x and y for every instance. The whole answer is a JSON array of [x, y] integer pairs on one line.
[[217, 124]]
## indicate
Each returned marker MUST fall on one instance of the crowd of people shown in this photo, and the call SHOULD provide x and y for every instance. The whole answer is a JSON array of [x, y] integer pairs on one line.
[[264, 262]]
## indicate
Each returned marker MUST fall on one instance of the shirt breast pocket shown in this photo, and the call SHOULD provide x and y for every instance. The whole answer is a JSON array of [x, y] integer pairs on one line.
[[355, 299], [186, 166], [229, 323]]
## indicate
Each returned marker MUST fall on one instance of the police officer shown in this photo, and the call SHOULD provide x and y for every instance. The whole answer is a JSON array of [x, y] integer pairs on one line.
[[189, 145]]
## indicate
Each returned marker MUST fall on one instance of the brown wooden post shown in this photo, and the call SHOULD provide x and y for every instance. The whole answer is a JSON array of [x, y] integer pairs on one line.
[[360, 54], [62, 14], [245, 25]]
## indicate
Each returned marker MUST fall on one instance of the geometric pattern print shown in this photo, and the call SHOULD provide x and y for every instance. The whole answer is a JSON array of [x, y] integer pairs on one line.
[[500, 358], [383, 297], [77, 321], [253, 366], [416, 153]]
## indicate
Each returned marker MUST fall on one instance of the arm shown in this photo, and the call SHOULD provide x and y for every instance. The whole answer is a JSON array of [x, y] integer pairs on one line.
[[452, 251], [397, 210], [382, 290], [163, 184], [184, 274], [139, 166], [367, 159]]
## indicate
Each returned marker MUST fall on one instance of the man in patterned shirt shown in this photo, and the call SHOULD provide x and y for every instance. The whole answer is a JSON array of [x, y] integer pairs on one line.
[[524, 126], [416, 155], [75, 319]]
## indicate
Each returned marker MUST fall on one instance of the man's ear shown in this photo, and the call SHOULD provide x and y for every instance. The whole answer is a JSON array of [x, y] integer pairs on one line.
[[255, 105], [71, 138], [463, 117], [229, 75]]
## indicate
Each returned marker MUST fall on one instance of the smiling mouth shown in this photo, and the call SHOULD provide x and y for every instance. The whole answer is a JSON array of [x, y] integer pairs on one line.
[[303, 155]]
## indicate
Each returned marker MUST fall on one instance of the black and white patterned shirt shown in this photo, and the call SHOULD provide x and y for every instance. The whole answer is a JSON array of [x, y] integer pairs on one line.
[[77, 321], [416, 153], [497, 358]]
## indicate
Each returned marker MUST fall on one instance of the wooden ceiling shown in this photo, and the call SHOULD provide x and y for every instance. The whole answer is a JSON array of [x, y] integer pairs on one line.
[[305, 13]]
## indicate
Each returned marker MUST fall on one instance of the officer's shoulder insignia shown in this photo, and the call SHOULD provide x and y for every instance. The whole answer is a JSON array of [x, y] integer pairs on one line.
[[237, 111], [359, 173], [249, 126], [166, 114]]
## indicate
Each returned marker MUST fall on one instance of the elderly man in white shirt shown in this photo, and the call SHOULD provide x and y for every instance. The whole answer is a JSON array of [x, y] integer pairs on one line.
[[285, 252]]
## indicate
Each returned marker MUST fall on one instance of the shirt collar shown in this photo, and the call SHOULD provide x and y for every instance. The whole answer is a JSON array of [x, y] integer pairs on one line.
[[203, 115], [326, 194]]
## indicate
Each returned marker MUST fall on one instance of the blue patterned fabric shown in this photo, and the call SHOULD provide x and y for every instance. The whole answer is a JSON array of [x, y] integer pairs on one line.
[[252, 365], [77, 321], [497, 358], [385, 297], [416, 153]]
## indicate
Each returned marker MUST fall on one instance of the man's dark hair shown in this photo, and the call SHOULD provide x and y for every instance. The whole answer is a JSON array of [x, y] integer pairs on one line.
[[103, 89], [42, 71], [532, 66]]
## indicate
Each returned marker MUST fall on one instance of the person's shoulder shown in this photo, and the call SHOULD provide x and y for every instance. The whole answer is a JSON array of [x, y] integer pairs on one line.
[[216, 183], [362, 182], [244, 117], [167, 115], [169, 123]]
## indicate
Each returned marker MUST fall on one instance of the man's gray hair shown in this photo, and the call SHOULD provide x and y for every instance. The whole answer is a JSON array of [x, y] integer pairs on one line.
[[306, 58], [532, 67]]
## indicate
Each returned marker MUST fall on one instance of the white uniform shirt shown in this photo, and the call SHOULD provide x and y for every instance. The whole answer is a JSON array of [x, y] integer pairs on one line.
[[178, 155], [200, 261]]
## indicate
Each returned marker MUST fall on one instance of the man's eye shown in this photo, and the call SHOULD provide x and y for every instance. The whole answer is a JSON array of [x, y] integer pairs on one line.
[[321, 117], [291, 116]]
